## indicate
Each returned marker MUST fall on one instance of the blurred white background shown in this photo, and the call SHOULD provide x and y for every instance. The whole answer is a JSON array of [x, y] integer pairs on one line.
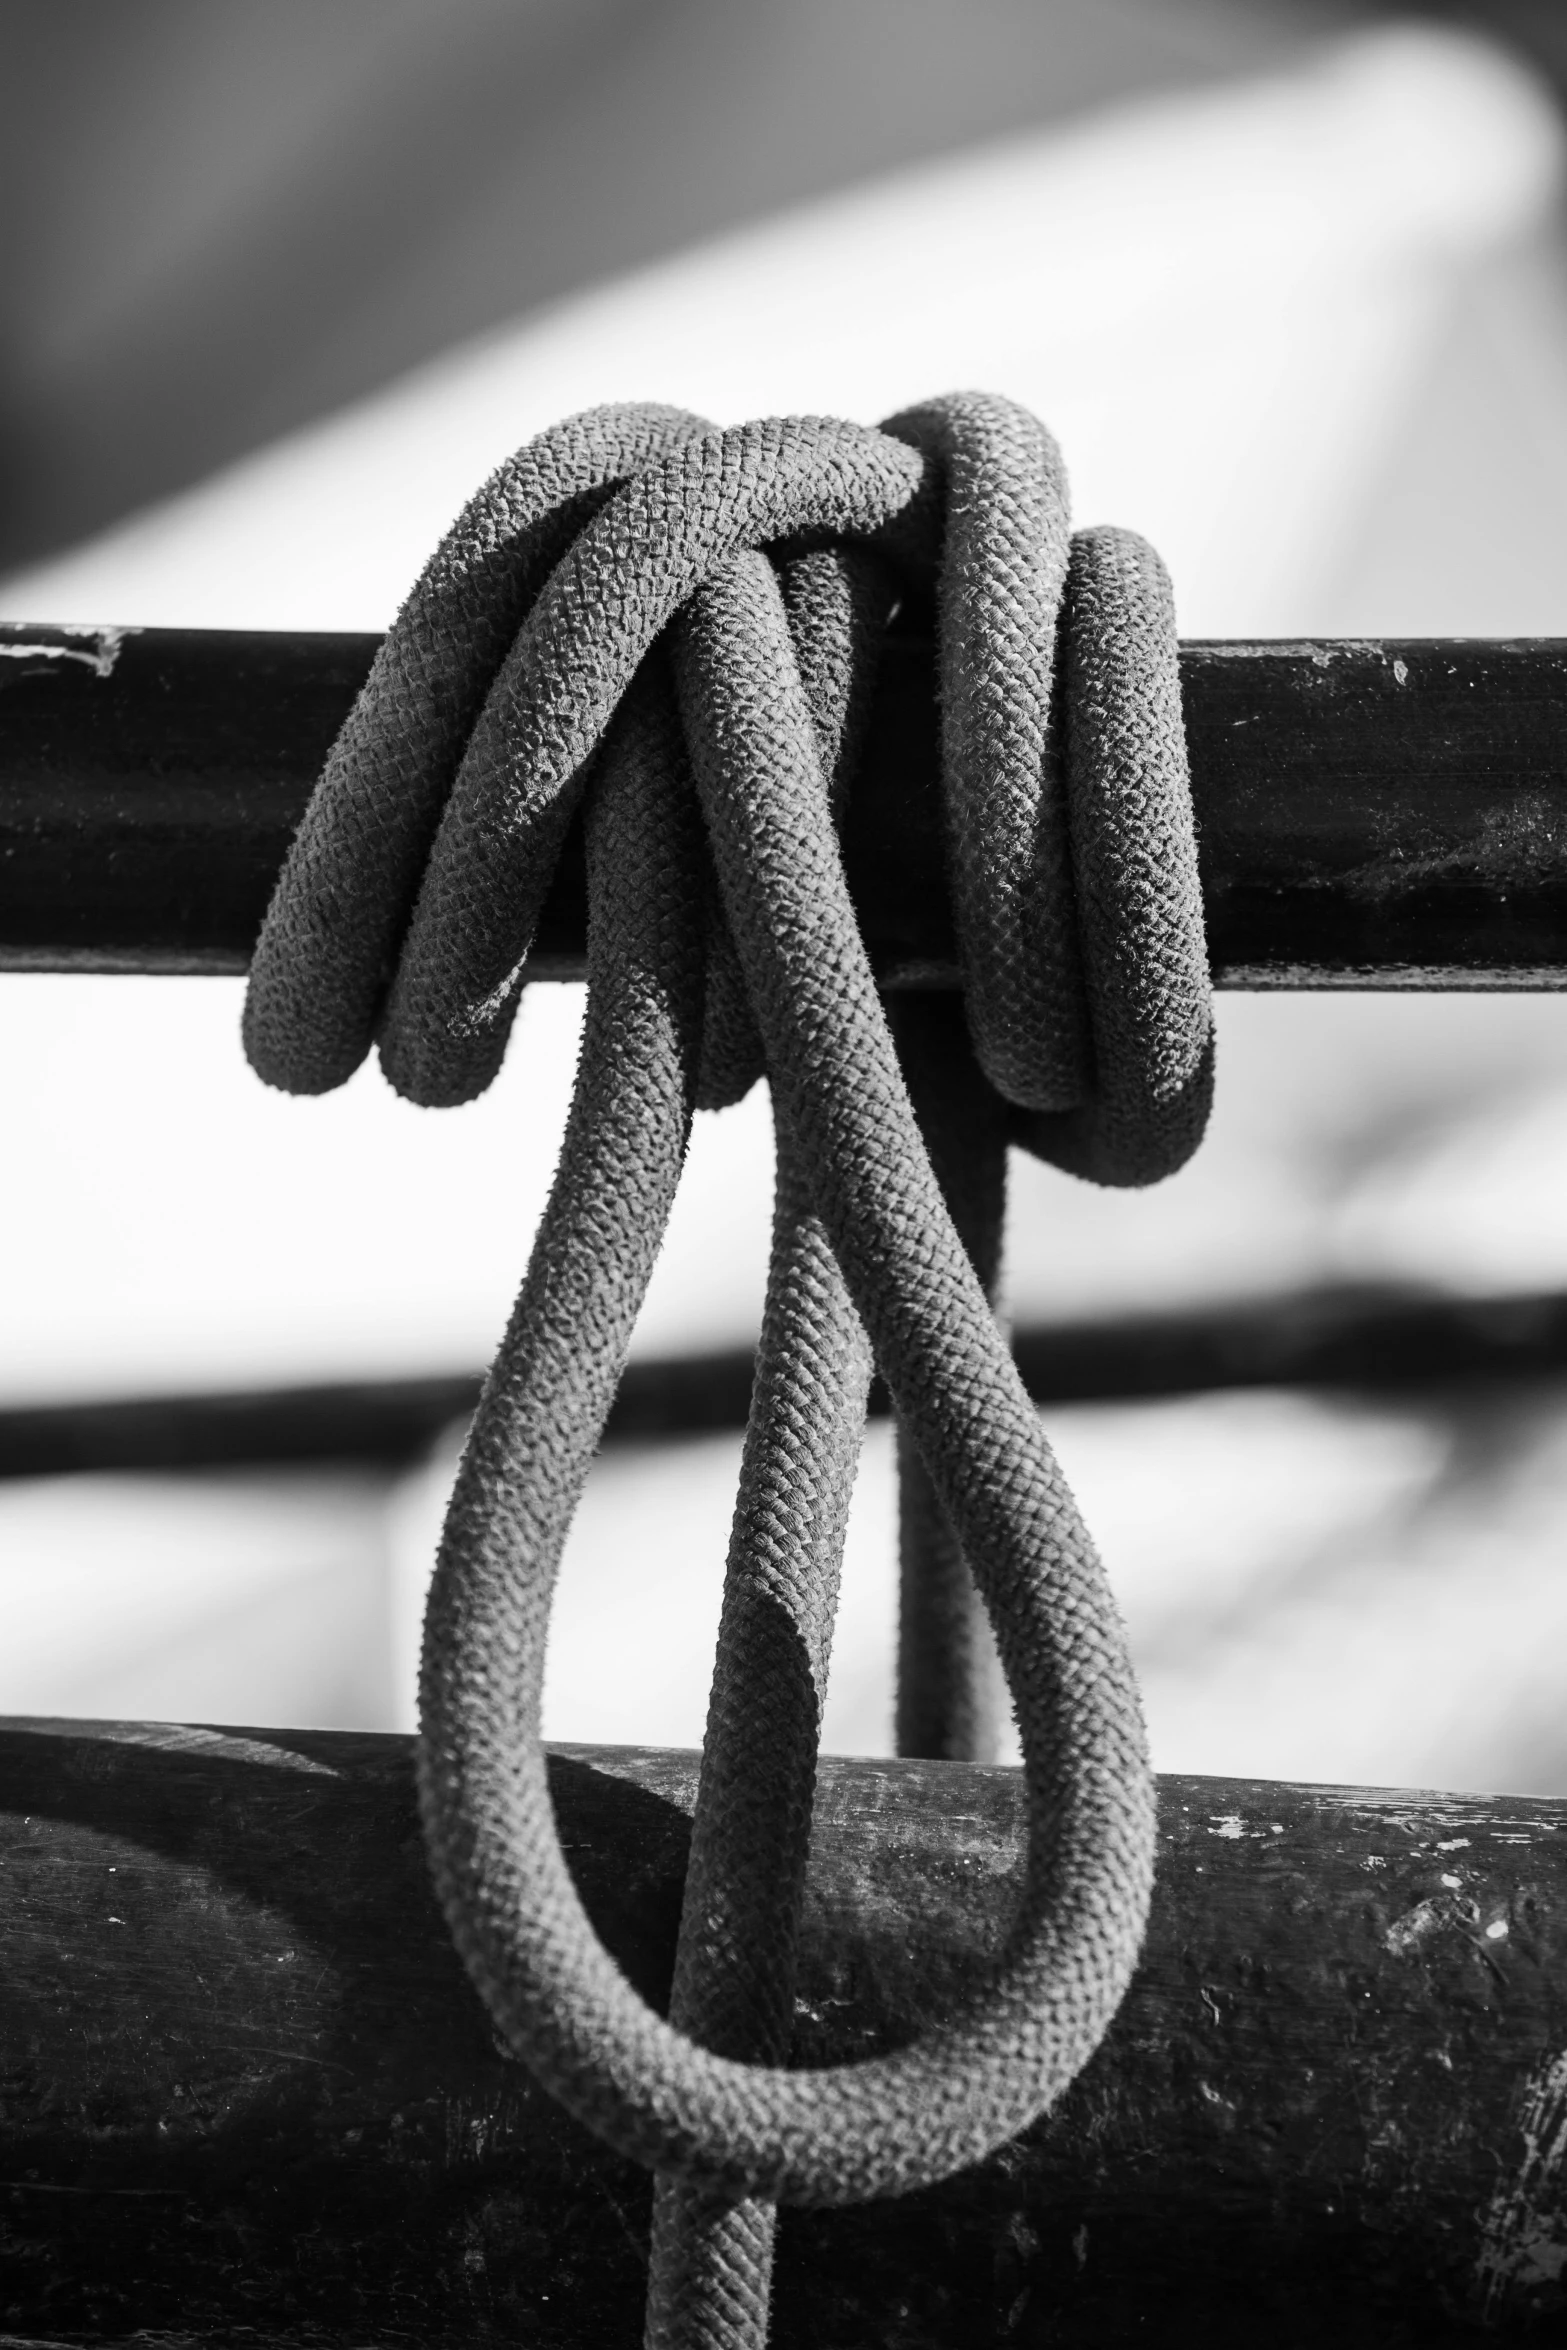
[[1295, 304]]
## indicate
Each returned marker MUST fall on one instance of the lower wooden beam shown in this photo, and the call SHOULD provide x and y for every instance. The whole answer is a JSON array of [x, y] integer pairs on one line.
[[248, 2095]]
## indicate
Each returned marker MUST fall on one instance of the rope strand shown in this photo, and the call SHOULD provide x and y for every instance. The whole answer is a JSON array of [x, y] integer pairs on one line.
[[951, 1691], [675, 629], [734, 1964]]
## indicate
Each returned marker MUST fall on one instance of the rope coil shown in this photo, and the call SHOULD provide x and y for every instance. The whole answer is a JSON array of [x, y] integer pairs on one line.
[[676, 629]]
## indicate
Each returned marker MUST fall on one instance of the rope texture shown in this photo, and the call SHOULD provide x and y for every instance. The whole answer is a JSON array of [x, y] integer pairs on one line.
[[675, 628]]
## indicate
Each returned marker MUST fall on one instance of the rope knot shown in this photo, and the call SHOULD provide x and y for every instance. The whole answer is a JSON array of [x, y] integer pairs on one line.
[[419, 873], [678, 627]]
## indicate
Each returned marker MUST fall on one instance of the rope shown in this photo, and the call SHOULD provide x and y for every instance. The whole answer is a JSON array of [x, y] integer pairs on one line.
[[675, 629]]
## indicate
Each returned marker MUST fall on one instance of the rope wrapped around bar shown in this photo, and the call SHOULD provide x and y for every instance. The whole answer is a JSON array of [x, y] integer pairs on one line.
[[676, 628]]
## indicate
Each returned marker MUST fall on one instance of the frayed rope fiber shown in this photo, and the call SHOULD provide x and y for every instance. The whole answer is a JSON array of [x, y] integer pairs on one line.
[[675, 629]]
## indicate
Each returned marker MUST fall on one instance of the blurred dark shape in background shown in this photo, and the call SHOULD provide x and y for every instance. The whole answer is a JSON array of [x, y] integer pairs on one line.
[[225, 221]]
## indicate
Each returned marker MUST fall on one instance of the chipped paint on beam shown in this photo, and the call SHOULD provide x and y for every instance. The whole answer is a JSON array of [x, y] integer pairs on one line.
[[95, 649], [1524, 2246]]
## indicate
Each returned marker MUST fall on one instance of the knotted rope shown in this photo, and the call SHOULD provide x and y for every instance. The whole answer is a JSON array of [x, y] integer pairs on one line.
[[676, 628]]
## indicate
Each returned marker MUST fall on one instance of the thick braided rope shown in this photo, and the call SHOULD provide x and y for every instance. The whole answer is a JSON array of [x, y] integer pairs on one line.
[[460, 841], [735, 1962], [951, 1691], [709, 2274]]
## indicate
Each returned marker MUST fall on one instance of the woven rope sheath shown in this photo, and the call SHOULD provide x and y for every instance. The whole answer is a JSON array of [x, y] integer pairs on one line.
[[675, 629]]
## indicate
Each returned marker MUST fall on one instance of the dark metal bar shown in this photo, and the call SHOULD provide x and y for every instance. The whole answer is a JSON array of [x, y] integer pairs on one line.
[[390, 1422], [1385, 815], [1358, 1340], [250, 2096]]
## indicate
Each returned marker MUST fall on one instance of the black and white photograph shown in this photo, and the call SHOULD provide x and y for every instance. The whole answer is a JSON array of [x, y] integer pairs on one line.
[[783, 1224]]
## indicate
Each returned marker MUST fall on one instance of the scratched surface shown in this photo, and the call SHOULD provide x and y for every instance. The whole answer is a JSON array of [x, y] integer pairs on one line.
[[249, 2096], [1369, 814], [1382, 814]]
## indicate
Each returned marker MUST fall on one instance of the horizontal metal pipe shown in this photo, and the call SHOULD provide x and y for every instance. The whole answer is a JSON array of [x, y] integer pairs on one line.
[[1358, 1340], [250, 2095], [1384, 815]]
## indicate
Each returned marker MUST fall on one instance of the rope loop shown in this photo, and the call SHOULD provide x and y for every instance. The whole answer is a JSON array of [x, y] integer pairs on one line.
[[675, 628]]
